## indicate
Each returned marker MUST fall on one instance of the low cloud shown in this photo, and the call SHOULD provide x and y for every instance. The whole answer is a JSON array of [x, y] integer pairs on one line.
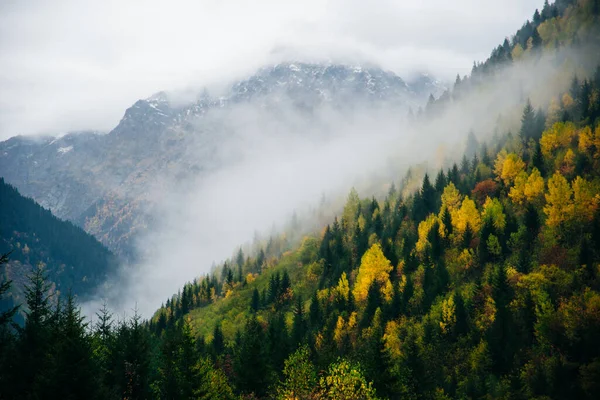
[[71, 65]]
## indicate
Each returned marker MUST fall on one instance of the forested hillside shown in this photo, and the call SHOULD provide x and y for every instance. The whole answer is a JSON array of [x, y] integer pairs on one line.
[[483, 283], [74, 260]]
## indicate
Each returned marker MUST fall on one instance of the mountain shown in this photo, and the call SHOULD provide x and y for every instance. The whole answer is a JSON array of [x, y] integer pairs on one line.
[[102, 182], [73, 260]]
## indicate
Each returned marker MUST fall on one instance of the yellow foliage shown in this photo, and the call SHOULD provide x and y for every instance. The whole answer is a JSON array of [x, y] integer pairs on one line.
[[558, 136], [451, 201], [467, 214], [448, 314], [487, 317], [517, 192], [585, 199], [499, 163], [424, 229], [527, 188], [589, 140], [338, 333], [567, 101], [343, 288], [534, 187], [586, 139], [391, 340], [568, 163], [517, 52], [492, 209], [511, 167], [373, 267], [343, 328], [387, 290], [250, 278], [559, 206], [466, 258]]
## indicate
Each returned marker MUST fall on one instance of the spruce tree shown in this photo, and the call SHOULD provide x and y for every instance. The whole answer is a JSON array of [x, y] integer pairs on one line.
[[33, 372], [251, 368], [299, 323]]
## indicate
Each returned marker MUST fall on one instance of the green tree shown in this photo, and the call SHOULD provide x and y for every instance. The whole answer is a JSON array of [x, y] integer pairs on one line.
[[300, 376], [345, 381], [251, 365]]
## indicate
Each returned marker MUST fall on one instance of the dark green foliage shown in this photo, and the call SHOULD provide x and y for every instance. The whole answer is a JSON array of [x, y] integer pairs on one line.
[[255, 304], [299, 324], [74, 260], [251, 368]]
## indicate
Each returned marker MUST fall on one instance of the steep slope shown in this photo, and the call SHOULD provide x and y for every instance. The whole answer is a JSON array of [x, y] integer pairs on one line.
[[485, 282], [74, 260], [103, 182]]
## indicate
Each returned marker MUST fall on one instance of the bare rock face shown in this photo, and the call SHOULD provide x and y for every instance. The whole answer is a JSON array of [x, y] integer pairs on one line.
[[103, 181]]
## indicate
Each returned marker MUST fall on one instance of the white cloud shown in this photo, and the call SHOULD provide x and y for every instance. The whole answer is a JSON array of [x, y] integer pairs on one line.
[[68, 65]]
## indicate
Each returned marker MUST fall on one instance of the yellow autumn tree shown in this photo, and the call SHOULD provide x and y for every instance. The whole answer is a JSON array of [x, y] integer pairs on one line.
[[534, 188], [586, 198], [558, 136], [451, 199], [586, 140], [511, 167], [517, 191], [517, 52], [424, 229], [467, 214], [343, 288], [373, 267], [345, 329], [589, 141], [499, 163], [559, 204], [448, 314], [527, 188], [568, 163]]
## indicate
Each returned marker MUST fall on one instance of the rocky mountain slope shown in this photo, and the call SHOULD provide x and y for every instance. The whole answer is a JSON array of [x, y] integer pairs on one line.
[[103, 182]]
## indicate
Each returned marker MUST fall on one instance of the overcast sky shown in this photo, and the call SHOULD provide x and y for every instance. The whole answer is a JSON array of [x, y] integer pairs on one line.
[[73, 65]]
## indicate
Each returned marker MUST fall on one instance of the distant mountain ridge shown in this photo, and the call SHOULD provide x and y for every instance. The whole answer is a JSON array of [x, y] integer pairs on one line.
[[100, 181]]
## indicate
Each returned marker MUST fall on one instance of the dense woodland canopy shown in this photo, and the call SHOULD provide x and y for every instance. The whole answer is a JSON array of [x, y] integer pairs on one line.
[[74, 260], [484, 283]]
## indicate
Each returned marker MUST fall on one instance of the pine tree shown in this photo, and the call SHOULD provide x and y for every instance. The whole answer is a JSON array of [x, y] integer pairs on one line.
[[255, 303], [218, 341], [251, 362], [428, 196], [314, 312], [76, 370], [132, 365], [7, 338], [35, 340], [7, 315], [103, 345], [440, 182], [528, 123], [472, 145], [299, 323]]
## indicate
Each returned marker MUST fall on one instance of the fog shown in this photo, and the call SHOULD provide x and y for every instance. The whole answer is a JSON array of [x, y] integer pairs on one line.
[[76, 65], [277, 161]]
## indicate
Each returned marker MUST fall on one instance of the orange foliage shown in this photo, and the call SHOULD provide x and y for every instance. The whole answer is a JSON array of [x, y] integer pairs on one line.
[[483, 190]]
